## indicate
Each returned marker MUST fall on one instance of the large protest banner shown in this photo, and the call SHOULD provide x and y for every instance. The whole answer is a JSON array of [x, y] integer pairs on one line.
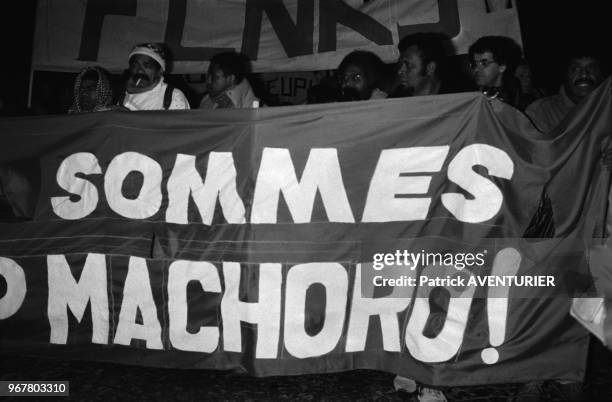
[[252, 239], [277, 35]]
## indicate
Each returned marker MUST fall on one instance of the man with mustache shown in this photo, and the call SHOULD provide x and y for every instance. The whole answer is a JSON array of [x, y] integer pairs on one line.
[[584, 73], [360, 76], [145, 87]]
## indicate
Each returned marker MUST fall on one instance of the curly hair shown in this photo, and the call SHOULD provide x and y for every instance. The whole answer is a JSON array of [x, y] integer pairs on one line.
[[371, 64], [504, 50]]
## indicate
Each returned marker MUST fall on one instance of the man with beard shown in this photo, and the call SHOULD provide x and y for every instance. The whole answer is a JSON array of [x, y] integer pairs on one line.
[[145, 87], [421, 64], [360, 75], [584, 73]]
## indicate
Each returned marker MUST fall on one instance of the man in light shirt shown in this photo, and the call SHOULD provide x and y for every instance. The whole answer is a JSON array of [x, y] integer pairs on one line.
[[227, 84], [145, 87]]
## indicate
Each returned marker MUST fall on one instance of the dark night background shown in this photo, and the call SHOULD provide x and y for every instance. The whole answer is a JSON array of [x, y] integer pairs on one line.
[[548, 29]]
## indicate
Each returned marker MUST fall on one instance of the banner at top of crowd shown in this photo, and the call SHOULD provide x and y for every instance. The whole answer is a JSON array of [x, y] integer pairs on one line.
[[277, 35]]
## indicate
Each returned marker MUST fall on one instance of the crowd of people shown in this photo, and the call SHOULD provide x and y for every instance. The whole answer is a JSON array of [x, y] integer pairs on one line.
[[427, 65], [494, 66]]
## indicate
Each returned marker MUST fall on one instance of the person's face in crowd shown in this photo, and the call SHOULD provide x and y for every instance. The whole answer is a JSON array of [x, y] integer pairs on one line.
[[523, 74], [583, 76], [145, 72], [411, 72], [217, 81], [88, 92], [486, 72], [354, 84]]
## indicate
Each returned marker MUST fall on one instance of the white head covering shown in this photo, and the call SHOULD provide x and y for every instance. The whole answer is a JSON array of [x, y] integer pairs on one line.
[[153, 51]]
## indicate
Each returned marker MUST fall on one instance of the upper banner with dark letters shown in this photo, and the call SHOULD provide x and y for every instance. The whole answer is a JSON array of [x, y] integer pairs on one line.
[[384, 235], [277, 35]]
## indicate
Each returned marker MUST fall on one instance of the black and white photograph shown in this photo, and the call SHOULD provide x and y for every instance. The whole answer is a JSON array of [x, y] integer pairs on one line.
[[310, 200]]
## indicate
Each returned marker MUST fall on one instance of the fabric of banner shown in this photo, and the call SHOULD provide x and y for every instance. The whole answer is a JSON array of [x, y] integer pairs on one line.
[[277, 35], [240, 239]]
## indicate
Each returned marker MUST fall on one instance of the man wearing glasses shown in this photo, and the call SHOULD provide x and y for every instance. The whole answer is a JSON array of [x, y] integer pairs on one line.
[[360, 75], [492, 63]]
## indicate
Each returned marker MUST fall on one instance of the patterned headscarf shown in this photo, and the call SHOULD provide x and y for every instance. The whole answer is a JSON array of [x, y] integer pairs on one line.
[[104, 92]]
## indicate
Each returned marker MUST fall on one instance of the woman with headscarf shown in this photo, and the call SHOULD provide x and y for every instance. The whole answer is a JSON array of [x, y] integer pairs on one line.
[[92, 91]]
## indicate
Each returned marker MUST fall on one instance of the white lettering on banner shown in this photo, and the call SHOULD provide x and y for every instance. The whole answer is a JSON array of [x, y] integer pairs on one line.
[[66, 293], [266, 312], [507, 263], [277, 174], [149, 196], [334, 278], [83, 163], [327, 312], [446, 344], [220, 183], [386, 308], [382, 205], [391, 193], [15, 287], [137, 296], [180, 274], [488, 198]]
